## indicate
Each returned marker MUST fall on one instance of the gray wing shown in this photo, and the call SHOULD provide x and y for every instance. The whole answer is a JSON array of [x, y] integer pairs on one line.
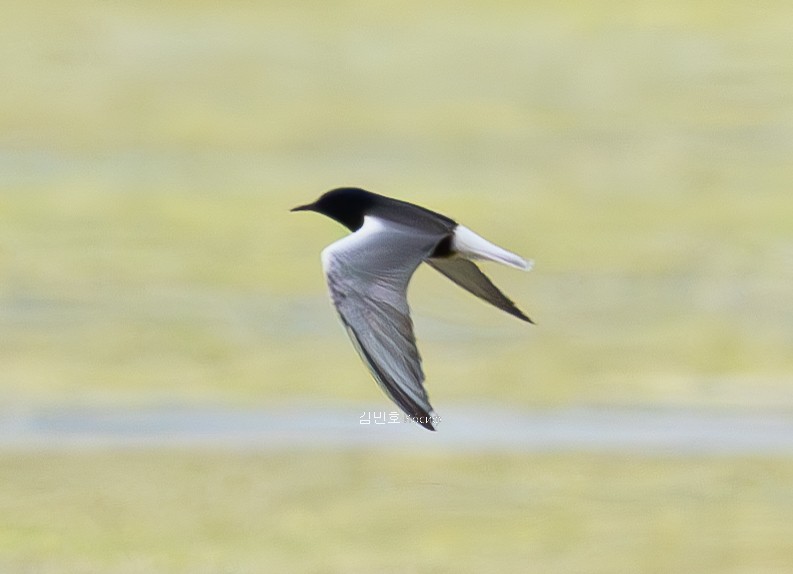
[[468, 276], [368, 273]]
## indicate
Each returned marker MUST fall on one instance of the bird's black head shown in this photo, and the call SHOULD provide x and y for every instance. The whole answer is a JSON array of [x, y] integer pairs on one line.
[[347, 205]]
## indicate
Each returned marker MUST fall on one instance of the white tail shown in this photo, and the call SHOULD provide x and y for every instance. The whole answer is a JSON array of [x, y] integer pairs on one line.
[[472, 246]]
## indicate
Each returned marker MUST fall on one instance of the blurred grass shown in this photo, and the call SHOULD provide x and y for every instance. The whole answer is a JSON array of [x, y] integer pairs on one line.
[[639, 152], [354, 512], [153, 296]]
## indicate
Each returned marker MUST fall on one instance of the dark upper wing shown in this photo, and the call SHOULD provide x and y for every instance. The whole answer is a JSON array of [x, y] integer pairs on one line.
[[468, 276], [368, 273]]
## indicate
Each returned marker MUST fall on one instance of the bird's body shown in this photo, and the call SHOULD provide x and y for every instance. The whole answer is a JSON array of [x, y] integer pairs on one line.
[[369, 270]]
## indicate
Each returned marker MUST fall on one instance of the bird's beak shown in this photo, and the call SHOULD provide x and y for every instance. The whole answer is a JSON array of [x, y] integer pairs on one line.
[[307, 207]]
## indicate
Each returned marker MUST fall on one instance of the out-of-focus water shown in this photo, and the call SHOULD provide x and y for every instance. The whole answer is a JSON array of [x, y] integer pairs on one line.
[[463, 429]]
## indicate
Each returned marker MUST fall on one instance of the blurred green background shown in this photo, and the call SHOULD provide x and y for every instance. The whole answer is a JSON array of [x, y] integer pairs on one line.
[[640, 152]]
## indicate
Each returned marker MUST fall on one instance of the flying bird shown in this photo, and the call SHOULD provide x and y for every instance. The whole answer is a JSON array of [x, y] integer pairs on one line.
[[369, 270]]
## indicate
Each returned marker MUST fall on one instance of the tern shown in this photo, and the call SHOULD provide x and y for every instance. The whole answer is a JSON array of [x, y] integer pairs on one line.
[[368, 272]]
